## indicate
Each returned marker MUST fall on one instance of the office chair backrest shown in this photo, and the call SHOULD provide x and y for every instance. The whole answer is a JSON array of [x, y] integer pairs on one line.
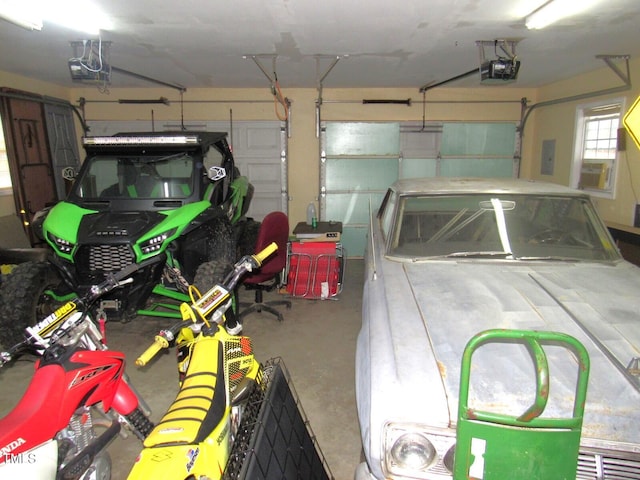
[[274, 228]]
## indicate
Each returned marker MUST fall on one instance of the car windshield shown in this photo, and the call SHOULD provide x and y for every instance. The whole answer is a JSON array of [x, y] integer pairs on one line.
[[527, 227], [111, 177]]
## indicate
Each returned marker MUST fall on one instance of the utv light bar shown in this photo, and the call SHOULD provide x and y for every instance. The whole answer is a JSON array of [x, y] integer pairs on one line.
[[141, 140]]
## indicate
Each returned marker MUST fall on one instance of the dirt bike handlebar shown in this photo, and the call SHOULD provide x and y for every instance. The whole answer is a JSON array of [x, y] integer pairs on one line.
[[247, 264], [244, 265], [112, 280], [161, 341], [6, 357], [260, 257]]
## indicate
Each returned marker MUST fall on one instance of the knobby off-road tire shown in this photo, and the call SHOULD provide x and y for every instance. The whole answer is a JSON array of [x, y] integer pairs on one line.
[[246, 234], [140, 423], [22, 299], [221, 241], [210, 273]]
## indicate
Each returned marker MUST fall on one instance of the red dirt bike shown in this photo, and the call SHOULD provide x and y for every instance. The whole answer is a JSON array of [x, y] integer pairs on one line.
[[77, 400]]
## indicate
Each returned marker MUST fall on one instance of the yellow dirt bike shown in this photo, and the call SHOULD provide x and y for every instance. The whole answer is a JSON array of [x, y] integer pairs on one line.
[[218, 375]]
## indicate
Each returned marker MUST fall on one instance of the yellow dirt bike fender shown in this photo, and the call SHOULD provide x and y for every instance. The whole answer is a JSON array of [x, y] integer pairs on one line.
[[207, 459]]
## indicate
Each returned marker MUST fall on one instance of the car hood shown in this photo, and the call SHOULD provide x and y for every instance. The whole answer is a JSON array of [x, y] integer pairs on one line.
[[599, 304]]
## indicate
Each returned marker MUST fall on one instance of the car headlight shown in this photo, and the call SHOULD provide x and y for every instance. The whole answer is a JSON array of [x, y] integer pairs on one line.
[[416, 451], [413, 451], [64, 246], [155, 243]]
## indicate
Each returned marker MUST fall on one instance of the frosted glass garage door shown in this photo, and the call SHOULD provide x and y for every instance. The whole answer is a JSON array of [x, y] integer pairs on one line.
[[477, 150], [360, 160]]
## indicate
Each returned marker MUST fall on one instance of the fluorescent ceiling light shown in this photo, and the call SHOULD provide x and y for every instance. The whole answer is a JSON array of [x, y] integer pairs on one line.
[[79, 15], [554, 10], [21, 14]]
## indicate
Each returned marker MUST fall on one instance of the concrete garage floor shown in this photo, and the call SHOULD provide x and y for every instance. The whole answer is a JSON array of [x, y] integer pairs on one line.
[[316, 341]]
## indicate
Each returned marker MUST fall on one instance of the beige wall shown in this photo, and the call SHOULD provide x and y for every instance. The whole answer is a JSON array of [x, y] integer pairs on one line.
[[557, 122], [484, 103]]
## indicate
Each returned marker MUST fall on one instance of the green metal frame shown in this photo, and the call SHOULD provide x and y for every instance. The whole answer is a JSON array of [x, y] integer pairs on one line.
[[494, 446], [166, 310], [170, 310]]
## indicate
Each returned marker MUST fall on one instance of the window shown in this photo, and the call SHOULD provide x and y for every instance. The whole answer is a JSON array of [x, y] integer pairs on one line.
[[5, 176], [596, 147]]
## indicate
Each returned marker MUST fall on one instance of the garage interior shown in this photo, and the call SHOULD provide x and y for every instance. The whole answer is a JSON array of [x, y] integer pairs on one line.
[[325, 103]]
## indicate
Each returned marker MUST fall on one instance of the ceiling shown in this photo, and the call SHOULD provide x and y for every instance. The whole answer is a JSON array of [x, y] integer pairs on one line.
[[336, 43]]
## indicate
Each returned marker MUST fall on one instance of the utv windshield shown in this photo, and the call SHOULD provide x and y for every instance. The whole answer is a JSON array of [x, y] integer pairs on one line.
[[526, 227], [116, 177]]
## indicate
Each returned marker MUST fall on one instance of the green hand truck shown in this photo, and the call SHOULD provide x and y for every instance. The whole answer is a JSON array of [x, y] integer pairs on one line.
[[495, 446]]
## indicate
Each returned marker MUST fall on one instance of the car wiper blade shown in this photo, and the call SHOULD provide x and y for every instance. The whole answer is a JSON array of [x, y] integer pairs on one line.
[[485, 254], [548, 258]]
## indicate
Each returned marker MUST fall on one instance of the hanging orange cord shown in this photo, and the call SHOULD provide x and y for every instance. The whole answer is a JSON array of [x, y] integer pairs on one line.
[[279, 99]]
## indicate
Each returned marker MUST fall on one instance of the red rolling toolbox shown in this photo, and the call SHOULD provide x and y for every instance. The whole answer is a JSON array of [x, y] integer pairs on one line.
[[315, 269]]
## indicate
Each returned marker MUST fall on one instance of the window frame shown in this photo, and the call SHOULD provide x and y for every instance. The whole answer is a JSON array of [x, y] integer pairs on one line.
[[4, 162], [584, 113]]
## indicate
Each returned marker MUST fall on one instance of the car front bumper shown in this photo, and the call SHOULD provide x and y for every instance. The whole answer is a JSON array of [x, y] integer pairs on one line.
[[362, 472]]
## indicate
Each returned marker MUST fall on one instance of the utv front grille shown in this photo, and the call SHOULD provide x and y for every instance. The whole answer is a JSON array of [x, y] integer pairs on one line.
[[105, 258], [603, 466]]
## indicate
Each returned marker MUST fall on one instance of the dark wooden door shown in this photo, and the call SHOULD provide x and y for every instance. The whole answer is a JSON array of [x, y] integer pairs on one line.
[[29, 158], [62, 145]]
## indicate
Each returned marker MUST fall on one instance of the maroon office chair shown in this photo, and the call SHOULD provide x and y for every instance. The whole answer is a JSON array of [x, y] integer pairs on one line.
[[274, 228]]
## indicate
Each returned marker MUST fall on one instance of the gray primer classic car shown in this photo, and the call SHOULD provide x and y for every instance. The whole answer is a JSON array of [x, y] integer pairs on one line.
[[448, 258]]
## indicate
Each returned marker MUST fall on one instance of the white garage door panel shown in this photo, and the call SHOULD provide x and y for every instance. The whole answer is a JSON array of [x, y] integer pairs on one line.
[[261, 205], [262, 139], [264, 174], [257, 148], [265, 178]]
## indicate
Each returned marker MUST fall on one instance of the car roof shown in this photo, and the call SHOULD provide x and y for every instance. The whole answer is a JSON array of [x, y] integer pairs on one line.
[[449, 185]]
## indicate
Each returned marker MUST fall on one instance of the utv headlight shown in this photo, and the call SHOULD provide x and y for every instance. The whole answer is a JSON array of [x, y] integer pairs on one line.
[[155, 243], [416, 451], [61, 244]]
